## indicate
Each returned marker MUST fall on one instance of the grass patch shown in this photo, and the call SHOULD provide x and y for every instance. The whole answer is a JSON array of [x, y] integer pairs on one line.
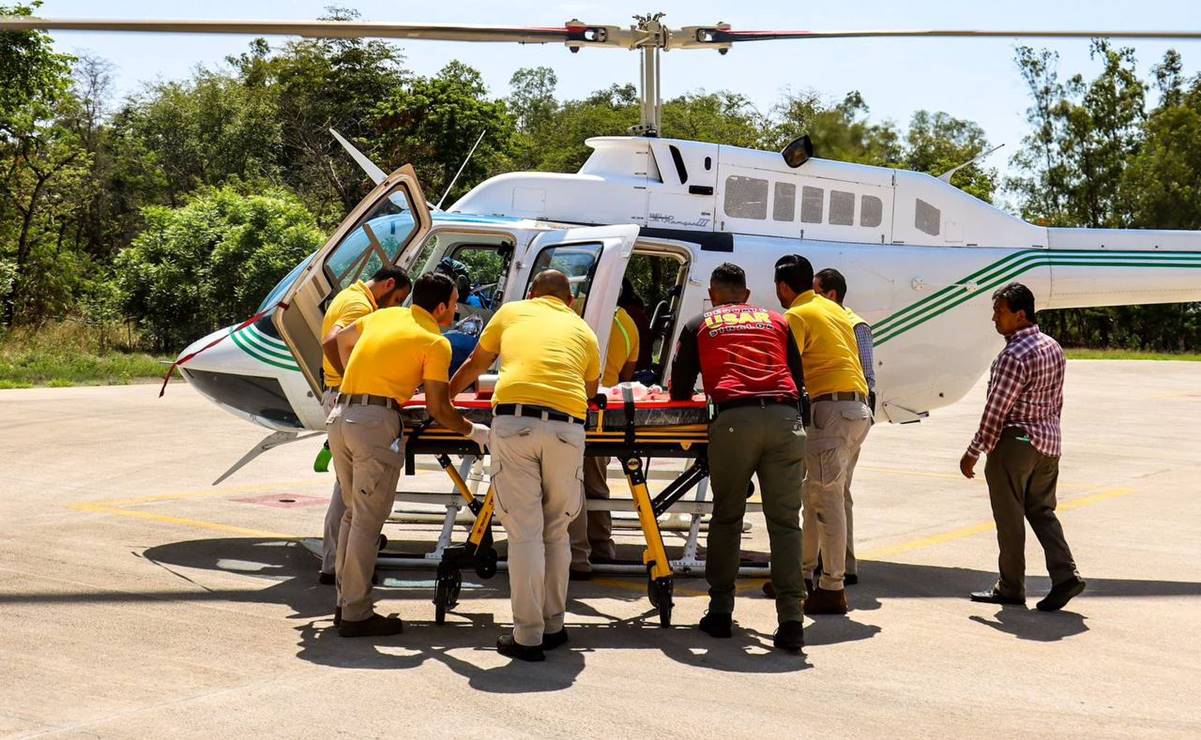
[[69, 353], [1128, 354]]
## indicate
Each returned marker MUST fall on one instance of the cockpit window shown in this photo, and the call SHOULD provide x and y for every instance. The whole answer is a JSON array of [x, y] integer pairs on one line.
[[282, 286], [376, 241], [927, 218]]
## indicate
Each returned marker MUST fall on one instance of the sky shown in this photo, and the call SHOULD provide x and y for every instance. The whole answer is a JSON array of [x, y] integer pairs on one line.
[[974, 79]]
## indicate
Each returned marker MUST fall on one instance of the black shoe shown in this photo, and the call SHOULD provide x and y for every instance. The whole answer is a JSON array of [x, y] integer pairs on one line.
[[337, 616], [1061, 594], [579, 575], [850, 579], [373, 626], [552, 640], [768, 589], [717, 625], [790, 636], [383, 542], [993, 597], [326, 579], [507, 646]]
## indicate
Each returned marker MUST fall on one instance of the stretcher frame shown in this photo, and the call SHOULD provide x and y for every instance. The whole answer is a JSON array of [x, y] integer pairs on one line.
[[632, 446]]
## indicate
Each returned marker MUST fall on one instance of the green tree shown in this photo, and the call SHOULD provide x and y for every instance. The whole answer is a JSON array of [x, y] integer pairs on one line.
[[938, 142], [209, 262]]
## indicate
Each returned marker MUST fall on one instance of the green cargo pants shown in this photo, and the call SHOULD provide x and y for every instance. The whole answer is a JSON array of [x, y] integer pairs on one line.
[[768, 441]]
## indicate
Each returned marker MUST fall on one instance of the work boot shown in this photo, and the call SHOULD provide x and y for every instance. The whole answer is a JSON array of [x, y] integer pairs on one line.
[[790, 636], [579, 575], [850, 579], [373, 626], [552, 640], [509, 647], [326, 579], [993, 596], [1061, 594], [825, 601], [717, 625]]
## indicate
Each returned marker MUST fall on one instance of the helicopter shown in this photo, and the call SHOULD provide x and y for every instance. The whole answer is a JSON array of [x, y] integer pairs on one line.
[[923, 257]]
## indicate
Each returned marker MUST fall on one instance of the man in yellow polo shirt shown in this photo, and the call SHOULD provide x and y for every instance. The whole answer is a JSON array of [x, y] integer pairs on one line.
[[388, 287], [840, 421], [386, 354], [549, 367], [592, 531]]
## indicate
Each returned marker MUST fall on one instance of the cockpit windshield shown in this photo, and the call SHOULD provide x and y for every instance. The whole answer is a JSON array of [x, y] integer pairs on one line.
[[282, 286]]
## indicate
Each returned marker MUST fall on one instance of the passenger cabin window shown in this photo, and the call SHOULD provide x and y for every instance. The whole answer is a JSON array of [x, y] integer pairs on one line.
[[376, 241], [871, 211], [812, 200], [927, 219], [783, 205], [842, 208], [576, 261], [746, 197]]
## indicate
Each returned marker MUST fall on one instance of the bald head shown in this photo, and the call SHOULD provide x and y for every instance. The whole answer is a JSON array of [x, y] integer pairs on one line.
[[552, 283]]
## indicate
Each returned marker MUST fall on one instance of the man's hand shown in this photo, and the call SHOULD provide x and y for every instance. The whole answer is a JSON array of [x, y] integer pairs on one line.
[[480, 434], [967, 465]]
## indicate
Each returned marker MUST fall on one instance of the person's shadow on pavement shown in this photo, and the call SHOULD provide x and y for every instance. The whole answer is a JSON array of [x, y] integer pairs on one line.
[[1031, 624]]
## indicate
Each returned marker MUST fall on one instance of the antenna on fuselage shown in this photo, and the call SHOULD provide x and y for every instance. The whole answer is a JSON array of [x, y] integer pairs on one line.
[[373, 171], [946, 176], [455, 179]]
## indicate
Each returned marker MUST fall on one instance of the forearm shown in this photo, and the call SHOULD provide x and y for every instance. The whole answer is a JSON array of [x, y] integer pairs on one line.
[[448, 416], [470, 371], [863, 335], [329, 348]]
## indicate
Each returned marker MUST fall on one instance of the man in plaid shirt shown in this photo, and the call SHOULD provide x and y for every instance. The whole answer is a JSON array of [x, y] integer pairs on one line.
[[1020, 433]]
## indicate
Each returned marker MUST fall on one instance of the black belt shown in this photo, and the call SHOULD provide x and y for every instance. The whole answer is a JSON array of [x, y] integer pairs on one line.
[[760, 401], [842, 396], [533, 412], [366, 399]]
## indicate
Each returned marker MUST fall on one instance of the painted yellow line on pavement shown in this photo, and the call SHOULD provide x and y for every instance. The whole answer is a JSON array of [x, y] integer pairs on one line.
[[181, 521], [988, 526]]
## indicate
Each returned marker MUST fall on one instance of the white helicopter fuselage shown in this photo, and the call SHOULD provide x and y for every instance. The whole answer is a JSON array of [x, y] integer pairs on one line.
[[921, 259]]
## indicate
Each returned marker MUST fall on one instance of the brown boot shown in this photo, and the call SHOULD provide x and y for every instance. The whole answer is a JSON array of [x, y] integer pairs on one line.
[[823, 601]]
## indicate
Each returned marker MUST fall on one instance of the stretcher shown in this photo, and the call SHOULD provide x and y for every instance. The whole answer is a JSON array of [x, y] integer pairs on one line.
[[633, 432]]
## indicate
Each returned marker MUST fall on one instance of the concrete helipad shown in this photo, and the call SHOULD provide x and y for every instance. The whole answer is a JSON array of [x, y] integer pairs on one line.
[[138, 600]]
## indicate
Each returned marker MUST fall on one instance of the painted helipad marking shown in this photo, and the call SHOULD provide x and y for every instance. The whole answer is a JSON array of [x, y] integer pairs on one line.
[[986, 526]]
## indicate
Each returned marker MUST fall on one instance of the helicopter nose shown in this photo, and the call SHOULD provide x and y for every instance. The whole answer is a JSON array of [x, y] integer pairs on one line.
[[245, 374]]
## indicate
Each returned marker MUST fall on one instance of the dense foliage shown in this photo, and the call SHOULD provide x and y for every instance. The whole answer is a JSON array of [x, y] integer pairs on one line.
[[179, 206]]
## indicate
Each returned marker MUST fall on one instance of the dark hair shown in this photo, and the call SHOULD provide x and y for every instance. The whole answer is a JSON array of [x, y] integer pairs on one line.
[[729, 275], [795, 271], [832, 279], [1018, 297], [391, 272], [629, 297], [431, 289]]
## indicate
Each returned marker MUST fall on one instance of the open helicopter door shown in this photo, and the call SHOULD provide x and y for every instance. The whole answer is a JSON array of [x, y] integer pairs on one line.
[[594, 259], [384, 227]]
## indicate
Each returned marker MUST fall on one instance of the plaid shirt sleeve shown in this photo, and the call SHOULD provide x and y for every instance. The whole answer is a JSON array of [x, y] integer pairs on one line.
[[1004, 386], [863, 336]]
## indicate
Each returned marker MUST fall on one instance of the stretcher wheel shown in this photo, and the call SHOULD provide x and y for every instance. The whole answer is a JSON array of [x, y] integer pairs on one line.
[[446, 593], [660, 591], [486, 563]]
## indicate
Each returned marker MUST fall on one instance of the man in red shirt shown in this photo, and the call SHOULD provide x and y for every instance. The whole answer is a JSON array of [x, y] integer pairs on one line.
[[750, 369], [1020, 433]]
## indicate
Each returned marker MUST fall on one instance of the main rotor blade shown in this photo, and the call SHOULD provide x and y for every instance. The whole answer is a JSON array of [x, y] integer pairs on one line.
[[697, 37], [571, 33]]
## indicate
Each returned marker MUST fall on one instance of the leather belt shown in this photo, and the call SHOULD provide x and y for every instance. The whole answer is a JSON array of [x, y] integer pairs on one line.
[[533, 412], [842, 396], [366, 399], [759, 401]]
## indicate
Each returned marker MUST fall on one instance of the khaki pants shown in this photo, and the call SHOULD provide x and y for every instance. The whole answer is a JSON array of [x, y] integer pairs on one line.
[[835, 436], [852, 566], [361, 439], [538, 476], [768, 441], [592, 531], [336, 509], [1021, 487]]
